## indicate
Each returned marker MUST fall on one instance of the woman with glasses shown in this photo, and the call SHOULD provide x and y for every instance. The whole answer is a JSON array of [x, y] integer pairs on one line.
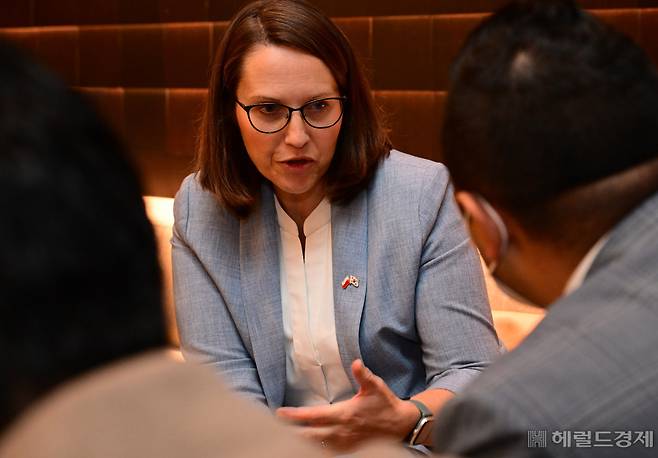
[[322, 273]]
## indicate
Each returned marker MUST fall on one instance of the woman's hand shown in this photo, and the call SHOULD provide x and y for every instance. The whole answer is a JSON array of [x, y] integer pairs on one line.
[[375, 411]]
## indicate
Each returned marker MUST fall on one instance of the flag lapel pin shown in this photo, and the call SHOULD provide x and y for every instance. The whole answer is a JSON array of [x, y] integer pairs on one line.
[[350, 280]]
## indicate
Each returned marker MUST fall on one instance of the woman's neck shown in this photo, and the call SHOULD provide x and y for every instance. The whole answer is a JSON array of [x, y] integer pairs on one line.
[[299, 206]]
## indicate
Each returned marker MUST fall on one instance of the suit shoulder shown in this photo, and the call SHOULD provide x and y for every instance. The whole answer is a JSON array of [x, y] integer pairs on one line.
[[400, 167], [196, 207], [409, 176], [191, 190], [410, 186]]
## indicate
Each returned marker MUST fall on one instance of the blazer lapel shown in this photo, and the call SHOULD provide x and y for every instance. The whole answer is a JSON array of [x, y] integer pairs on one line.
[[261, 292], [349, 234]]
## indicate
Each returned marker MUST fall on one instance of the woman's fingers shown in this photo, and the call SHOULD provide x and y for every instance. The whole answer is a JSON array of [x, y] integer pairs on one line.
[[312, 416]]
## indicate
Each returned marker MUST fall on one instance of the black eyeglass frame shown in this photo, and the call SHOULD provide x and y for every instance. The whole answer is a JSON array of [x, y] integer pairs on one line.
[[247, 109]]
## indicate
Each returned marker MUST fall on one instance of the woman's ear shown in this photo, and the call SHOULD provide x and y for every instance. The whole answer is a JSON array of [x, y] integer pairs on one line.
[[483, 228]]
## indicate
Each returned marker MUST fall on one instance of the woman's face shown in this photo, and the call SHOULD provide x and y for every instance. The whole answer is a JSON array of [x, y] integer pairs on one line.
[[296, 158]]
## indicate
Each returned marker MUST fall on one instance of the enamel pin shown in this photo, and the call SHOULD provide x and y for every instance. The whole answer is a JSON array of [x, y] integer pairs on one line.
[[350, 280]]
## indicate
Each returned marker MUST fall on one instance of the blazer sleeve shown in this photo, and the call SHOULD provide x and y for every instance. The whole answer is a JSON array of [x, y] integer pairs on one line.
[[481, 426], [206, 327], [453, 316]]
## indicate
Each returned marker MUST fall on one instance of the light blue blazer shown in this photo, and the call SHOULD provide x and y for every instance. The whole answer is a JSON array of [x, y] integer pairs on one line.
[[419, 318]]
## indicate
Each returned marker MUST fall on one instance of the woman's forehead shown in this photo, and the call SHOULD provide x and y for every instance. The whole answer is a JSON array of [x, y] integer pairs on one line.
[[284, 74]]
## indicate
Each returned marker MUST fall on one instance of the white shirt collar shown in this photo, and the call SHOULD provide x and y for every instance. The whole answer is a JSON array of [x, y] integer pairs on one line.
[[319, 217], [578, 275]]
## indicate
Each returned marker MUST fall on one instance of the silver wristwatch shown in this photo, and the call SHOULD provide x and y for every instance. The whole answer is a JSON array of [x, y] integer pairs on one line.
[[419, 434]]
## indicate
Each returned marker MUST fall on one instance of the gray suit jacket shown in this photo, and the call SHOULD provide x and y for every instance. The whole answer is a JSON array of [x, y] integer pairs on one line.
[[590, 365], [150, 406], [419, 317]]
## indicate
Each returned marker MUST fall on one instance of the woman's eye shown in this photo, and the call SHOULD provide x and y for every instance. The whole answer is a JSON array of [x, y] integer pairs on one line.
[[270, 109], [318, 106]]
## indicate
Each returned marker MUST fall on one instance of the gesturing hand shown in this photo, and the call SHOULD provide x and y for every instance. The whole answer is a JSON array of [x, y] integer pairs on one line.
[[375, 411]]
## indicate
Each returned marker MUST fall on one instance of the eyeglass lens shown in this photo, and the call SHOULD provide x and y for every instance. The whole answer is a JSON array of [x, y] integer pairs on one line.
[[271, 117]]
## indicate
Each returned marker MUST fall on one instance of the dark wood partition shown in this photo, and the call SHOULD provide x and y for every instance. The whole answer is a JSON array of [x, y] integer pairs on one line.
[[145, 62]]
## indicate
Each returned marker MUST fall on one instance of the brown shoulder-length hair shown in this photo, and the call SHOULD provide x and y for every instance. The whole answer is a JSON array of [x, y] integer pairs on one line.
[[224, 167]]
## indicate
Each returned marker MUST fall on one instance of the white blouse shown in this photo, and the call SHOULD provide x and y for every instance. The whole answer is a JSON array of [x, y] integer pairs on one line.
[[314, 373]]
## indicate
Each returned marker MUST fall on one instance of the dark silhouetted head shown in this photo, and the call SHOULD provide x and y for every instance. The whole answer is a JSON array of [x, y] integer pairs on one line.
[[79, 278]]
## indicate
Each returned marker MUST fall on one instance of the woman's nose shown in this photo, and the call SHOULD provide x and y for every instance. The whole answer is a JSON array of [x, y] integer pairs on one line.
[[296, 131]]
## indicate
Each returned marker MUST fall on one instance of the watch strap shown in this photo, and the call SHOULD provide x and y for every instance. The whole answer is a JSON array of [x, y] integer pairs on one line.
[[424, 410], [419, 433]]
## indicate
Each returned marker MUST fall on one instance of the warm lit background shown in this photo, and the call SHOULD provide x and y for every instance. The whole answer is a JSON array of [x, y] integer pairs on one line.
[[144, 63]]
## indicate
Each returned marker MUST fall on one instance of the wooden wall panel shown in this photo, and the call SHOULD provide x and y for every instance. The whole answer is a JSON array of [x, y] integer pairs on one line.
[[358, 31], [183, 110], [649, 33], [101, 56], [448, 35], [109, 102], [414, 119], [147, 69], [184, 11], [17, 13], [144, 63], [627, 21], [402, 53], [187, 54], [26, 13], [142, 56]]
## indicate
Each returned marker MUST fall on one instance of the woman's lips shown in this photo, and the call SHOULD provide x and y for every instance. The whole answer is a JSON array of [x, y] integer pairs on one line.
[[297, 164]]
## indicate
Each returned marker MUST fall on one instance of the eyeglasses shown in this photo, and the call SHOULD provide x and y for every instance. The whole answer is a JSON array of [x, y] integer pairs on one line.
[[269, 118]]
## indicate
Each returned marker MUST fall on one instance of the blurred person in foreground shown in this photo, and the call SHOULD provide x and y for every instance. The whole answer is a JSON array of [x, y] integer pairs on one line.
[[80, 288], [551, 136], [79, 279]]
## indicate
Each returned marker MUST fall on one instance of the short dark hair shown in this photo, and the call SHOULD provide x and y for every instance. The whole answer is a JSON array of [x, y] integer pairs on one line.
[[224, 166], [544, 98], [79, 278]]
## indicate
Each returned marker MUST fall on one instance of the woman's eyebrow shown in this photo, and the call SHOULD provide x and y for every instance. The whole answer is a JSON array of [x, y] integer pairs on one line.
[[263, 99], [268, 99], [323, 95]]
